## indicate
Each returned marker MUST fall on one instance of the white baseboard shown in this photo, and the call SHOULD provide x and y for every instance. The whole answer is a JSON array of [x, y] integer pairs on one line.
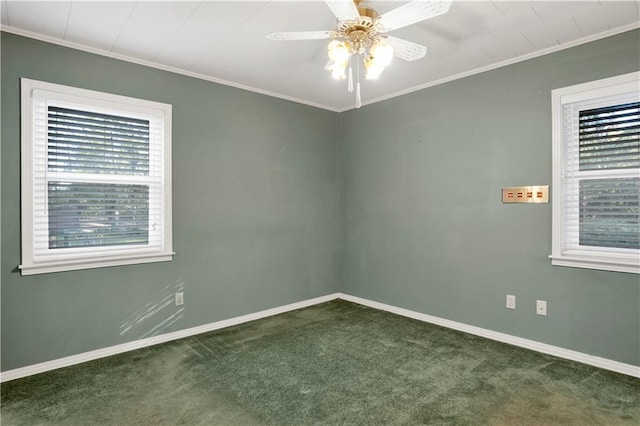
[[150, 341], [595, 361], [604, 363]]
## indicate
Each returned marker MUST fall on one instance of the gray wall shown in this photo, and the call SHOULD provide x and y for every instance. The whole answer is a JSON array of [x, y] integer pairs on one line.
[[275, 202], [425, 228], [256, 212]]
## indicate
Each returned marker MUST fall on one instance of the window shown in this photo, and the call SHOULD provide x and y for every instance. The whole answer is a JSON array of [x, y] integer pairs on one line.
[[596, 175], [96, 179]]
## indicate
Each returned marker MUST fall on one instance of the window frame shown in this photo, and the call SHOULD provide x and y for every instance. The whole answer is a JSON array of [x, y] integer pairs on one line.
[[77, 258], [600, 258]]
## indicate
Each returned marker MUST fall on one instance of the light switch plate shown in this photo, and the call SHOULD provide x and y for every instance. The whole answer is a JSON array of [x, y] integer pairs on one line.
[[526, 194]]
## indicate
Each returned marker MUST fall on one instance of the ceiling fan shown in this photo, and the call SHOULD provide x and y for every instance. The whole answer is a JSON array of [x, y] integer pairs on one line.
[[361, 32]]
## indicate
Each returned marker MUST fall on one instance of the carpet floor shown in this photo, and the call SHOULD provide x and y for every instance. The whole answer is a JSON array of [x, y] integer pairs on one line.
[[337, 363]]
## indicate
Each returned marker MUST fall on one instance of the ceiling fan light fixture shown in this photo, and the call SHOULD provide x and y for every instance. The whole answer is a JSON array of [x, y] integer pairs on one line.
[[381, 51], [361, 31], [339, 51], [338, 71], [374, 68]]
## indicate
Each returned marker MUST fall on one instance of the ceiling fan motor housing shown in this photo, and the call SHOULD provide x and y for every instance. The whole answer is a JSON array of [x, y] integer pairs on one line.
[[359, 32]]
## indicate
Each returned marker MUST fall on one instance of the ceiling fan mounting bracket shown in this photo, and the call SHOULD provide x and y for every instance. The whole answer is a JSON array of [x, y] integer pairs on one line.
[[367, 11]]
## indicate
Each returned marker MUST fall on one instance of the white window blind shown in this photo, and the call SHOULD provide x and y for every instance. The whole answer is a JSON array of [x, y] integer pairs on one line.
[[97, 191], [597, 175]]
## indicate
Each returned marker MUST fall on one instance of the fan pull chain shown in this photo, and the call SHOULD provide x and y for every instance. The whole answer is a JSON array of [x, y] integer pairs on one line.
[[358, 99], [350, 81]]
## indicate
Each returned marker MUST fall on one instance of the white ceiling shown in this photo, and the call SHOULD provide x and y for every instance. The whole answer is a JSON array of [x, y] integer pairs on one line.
[[225, 41]]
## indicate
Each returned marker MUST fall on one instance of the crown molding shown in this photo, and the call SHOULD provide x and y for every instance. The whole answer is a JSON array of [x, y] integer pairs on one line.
[[200, 76], [150, 64], [501, 64]]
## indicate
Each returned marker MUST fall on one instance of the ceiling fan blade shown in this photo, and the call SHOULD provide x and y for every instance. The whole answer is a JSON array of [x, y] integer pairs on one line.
[[300, 35], [407, 50], [412, 12], [345, 10]]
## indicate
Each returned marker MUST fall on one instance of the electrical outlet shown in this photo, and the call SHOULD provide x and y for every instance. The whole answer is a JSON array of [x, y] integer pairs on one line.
[[179, 299], [541, 307], [511, 301]]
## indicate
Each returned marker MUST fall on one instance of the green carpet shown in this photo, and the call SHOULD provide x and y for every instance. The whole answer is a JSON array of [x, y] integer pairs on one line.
[[332, 364]]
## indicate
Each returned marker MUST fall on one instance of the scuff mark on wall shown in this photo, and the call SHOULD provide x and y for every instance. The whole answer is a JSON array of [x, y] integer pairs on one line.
[[157, 315]]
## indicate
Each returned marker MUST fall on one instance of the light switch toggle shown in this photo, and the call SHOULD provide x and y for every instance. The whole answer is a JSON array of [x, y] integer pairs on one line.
[[526, 194]]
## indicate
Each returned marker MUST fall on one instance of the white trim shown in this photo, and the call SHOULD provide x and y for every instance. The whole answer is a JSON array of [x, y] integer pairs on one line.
[[176, 70], [44, 268], [150, 341], [36, 260], [604, 363], [595, 361], [603, 259], [611, 86], [121, 57], [504, 63], [596, 263]]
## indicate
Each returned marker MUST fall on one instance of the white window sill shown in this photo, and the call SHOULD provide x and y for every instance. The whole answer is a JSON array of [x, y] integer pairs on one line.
[[73, 265], [600, 263]]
